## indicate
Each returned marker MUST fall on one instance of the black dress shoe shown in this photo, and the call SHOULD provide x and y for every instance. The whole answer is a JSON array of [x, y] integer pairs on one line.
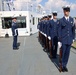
[[44, 50], [15, 48], [54, 57], [65, 69]]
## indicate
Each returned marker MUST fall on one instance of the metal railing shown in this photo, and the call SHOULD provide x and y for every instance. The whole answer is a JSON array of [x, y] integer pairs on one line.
[[21, 6]]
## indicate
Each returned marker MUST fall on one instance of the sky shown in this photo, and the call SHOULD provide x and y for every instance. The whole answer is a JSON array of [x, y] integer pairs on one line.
[[50, 5], [56, 5]]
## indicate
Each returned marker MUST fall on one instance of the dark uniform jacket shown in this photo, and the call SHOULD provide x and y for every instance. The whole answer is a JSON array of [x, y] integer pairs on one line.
[[45, 27], [66, 31], [53, 28], [39, 26], [14, 29]]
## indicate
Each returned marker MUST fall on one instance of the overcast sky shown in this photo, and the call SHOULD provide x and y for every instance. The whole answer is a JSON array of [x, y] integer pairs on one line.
[[51, 5]]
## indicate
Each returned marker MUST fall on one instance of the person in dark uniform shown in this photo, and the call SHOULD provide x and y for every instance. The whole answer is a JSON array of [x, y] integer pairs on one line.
[[41, 31], [45, 32], [39, 27], [53, 34], [14, 33], [66, 36], [48, 31]]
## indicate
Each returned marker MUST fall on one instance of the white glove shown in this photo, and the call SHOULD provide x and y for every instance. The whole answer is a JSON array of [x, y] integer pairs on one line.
[[73, 41], [59, 44], [15, 35], [49, 37], [45, 35], [15, 32], [41, 32]]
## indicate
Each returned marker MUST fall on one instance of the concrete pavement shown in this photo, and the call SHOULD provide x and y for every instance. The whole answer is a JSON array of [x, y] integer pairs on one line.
[[30, 59]]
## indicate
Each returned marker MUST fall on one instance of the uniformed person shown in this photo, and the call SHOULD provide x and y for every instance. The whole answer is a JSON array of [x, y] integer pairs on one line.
[[66, 35], [39, 27], [53, 34], [44, 30], [14, 32], [48, 31]]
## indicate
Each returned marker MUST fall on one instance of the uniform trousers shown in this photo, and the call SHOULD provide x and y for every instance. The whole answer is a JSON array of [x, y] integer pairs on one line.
[[65, 54], [14, 41]]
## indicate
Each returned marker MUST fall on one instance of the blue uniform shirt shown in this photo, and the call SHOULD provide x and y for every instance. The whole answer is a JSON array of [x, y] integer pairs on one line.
[[45, 26], [53, 28], [66, 31], [39, 25], [14, 29]]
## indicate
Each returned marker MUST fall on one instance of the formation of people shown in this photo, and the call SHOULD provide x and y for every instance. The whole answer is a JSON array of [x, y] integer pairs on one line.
[[54, 33]]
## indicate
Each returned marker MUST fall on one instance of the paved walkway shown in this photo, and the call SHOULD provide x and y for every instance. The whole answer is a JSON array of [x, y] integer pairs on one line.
[[30, 59]]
